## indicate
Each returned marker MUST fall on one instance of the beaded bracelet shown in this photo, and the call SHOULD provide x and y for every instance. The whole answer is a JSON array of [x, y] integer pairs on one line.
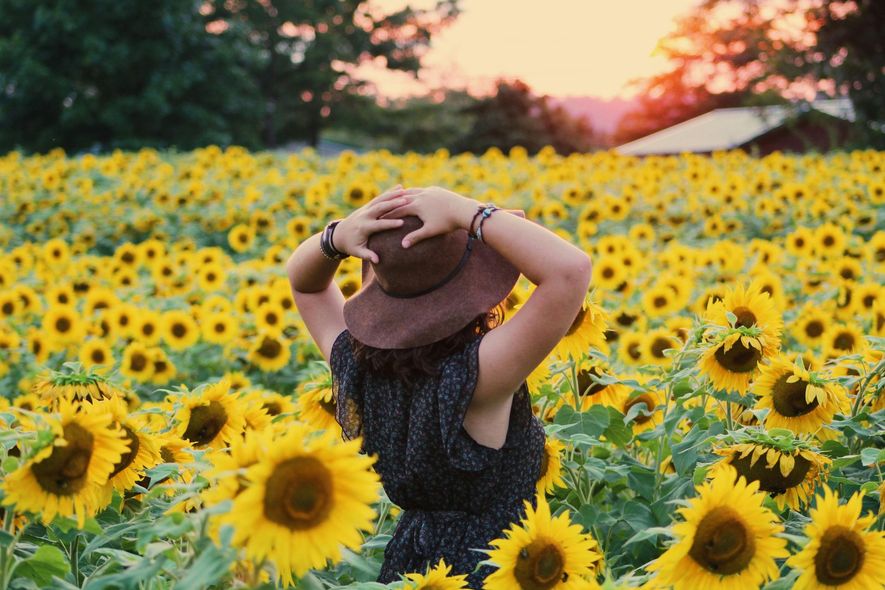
[[486, 213], [479, 210]]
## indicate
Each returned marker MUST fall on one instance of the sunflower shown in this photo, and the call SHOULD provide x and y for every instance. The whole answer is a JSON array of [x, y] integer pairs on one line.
[[62, 323], [751, 307], [539, 376], [811, 325], [269, 353], [649, 416], [241, 237], [843, 551], [654, 344], [65, 477], [733, 358], [227, 474], [437, 578], [727, 540], [591, 374], [146, 327], [179, 329], [164, 369], [843, 339], [630, 348], [316, 404], [587, 330], [551, 466], [543, 552], [305, 491], [797, 399], [659, 301], [74, 385], [136, 362], [609, 272], [210, 416], [269, 319], [96, 352], [143, 452], [787, 476], [219, 327]]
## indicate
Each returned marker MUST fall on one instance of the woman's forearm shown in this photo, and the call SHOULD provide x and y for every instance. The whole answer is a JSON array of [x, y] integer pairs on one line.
[[309, 271], [536, 251]]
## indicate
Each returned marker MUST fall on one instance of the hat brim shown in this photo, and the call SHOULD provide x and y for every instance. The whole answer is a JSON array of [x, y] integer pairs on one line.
[[382, 321]]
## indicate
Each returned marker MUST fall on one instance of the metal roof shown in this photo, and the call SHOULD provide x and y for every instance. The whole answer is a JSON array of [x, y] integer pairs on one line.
[[723, 129]]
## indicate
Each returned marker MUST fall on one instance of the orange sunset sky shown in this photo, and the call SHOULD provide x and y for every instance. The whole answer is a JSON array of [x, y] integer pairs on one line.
[[558, 47]]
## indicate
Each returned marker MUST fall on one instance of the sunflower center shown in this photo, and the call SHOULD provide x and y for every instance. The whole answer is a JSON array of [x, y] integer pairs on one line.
[[129, 456], [739, 358], [722, 544], [577, 321], [814, 328], [273, 408], [299, 493], [137, 362], [840, 556], [545, 462], [540, 566], [772, 480], [62, 324], [586, 385], [649, 407], [844, 341], [659, 345], [789, 398], [270, 348], [205, 423], [179, 330], [65, 471], [328, 406], [745, 317]]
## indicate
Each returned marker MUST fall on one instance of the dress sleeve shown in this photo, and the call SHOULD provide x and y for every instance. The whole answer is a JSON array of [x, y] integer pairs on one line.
[[345, 390], [457, 384]]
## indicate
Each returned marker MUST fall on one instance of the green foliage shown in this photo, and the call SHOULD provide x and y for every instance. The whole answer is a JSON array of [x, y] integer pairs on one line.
[[308, 46], [513, 116], [102, 74]]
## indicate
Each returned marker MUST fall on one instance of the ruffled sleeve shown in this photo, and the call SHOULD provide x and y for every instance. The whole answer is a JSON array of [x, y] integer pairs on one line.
[[457, 383], [345, 390]]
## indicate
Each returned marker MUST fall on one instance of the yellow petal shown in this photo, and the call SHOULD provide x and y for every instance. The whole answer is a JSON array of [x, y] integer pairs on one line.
[[787, 464], [792, 378]]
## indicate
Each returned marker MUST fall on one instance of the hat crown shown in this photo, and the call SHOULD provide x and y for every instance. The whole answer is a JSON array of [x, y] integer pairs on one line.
[[403, 271]]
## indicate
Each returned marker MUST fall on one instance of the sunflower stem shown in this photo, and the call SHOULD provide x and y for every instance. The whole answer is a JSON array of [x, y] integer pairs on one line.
[[75, 557], [6, 556], [574, 385]]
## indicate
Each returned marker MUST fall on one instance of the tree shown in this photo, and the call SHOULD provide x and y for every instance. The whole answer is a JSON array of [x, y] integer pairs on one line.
[[514, 116], [311, 46], [104, 74], [744, 52]]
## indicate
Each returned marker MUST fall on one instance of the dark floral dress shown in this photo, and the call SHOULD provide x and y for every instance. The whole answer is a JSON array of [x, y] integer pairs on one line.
[[456, 494]]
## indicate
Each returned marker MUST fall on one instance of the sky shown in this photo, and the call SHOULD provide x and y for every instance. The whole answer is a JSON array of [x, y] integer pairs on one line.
[[558, 47]]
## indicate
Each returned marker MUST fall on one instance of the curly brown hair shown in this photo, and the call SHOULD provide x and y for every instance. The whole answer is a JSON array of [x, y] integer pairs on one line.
[[409, 364]]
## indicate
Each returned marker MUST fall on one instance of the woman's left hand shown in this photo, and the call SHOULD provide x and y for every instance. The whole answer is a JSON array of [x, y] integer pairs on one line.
[[351, 235]]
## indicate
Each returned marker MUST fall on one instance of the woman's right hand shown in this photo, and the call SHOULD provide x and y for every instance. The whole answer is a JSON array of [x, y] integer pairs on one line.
[[441, 210]]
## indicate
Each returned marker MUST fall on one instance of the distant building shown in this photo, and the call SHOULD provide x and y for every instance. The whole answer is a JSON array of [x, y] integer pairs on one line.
[[821, 126]]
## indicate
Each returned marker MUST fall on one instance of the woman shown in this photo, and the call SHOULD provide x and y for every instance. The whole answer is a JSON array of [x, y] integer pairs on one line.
[[418, 372]]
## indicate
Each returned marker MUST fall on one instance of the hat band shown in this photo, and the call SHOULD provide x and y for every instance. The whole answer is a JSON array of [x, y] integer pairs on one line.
[[445, 280]]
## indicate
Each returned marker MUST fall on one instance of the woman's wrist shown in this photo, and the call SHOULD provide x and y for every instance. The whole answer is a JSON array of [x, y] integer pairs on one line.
[[465, 212]]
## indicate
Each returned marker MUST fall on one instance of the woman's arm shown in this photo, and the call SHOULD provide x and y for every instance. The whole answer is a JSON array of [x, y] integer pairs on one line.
[[560, 270], [317, 297]]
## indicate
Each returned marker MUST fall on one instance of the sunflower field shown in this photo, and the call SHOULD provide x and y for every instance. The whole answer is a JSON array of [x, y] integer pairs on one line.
[[715, 415]]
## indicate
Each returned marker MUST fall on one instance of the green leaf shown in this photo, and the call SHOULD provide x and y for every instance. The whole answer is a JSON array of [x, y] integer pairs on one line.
[[649, 533], [592, 423], [46, 562], [872, 456], [732, 319]]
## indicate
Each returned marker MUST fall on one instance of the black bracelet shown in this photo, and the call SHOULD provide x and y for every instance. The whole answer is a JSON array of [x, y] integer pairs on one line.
[[327, 247]]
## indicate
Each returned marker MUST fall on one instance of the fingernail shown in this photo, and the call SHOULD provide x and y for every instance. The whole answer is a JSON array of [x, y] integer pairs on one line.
[[406, 243]]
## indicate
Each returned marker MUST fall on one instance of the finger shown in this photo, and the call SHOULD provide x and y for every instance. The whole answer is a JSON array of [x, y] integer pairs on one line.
[[366, 254], [410, 239], [399, 211], [388, 194], [385, 206], [382, 224]]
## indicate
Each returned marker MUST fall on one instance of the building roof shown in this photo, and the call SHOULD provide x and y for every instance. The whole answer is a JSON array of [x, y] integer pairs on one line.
[[723, 129]]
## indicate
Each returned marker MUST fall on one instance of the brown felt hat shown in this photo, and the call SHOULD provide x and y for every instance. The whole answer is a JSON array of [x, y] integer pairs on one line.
[[419, 295]]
